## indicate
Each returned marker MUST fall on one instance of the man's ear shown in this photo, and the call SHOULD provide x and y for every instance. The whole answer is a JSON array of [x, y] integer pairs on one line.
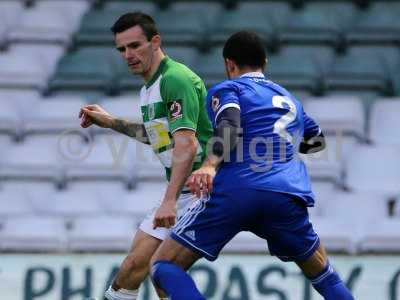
[[230, 65], [156, 42]]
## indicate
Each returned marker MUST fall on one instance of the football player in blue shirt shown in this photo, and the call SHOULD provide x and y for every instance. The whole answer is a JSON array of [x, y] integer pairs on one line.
[[260, 184]]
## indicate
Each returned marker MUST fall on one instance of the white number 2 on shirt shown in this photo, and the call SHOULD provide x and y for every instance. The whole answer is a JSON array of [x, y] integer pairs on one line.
[[282, 123]]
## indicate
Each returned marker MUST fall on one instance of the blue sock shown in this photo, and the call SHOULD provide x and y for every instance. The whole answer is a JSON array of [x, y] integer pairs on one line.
[[175, 281], [330, 286]]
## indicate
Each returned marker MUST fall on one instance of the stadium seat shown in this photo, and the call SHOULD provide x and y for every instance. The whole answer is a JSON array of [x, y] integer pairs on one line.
[[210, 67], [101, 234], [338, 115], [246, 241], [10, 119], [265, 18], [382, 237], [42, 25], [185, 55], [327, 165], [189, 28], [102, 159], [359, 71], [324, 192], [14, 204], [322, 56], [337, 235], [48, 55], [36, 159], [90, 68], [9, 14], [122, 7], [22, 99], [96, 24], [22, 71], [33, 234], [294, 71], [377, 25], [318, 23], [68, 204], [54, 115], [383, 122], [373, 169], [207, 9], [73, 9], [135, 203]]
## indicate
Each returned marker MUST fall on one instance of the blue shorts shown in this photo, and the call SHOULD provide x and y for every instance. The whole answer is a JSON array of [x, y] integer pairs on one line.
[[281, 219]]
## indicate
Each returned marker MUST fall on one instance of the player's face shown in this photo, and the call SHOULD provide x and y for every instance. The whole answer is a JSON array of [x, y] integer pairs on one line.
[[137, 51]]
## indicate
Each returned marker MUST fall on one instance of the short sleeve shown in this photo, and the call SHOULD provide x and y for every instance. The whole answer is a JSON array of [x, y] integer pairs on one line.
[[311, 128], [182, 101], [221, 97]]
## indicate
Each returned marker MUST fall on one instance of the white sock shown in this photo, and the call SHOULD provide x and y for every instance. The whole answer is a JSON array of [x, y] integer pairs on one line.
[[121, 294]]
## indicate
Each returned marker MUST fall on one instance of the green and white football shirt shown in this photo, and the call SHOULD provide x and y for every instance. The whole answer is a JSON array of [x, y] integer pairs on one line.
[[174, 99]]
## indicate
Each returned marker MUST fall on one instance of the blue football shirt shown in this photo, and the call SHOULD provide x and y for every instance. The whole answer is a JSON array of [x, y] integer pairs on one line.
[[273, 124]]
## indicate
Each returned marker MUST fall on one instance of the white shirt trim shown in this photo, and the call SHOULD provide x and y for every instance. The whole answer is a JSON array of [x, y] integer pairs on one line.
[[253, 74], [225, 106]]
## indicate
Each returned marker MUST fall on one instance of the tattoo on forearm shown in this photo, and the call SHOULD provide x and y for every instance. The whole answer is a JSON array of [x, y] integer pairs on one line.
[[134, 130]]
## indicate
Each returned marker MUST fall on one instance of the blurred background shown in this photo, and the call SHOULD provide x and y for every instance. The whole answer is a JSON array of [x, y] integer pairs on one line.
[[71, 199]]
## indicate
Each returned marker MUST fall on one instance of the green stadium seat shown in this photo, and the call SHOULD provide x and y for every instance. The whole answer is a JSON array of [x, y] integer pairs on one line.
[[185, 55], [177, 28], [262, 18], [377, 25], [210, 67], [96, 24], [359, 70], [318, 23], [294, 71], [207, 10], [91, 68]]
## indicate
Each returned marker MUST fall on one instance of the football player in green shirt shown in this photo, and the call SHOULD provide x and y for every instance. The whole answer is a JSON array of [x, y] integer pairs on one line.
[[175, 124]]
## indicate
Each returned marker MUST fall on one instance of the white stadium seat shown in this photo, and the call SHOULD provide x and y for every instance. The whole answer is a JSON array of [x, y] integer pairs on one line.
[[32, 160], [382, 236], [246, 241], [384, 122], [14, 204], [10, 119], [74, 9], [33, 234], [137, 202], [48, 55], [54, 115], [42, 25], [101, 234], [68, 204], [22, 71], [103, 160], [337, 114], [23, 99], [373, 169]]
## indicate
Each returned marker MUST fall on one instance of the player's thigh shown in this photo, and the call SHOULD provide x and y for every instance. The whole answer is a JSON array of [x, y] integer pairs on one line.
[[315, 264], [171, 250]]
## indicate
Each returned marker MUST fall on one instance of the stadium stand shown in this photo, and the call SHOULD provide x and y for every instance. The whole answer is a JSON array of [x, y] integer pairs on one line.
[[341, 58]]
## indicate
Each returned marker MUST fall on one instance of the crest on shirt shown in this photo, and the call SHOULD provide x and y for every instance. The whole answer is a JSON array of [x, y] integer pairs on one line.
[[151, 113], [215, 103], [175, 109]]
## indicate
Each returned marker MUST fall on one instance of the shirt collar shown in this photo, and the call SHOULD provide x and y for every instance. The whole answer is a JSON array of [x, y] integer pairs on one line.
[[253, 74]]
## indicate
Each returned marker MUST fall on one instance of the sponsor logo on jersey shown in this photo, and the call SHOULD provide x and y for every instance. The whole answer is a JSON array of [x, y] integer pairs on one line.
[[151, 112], [175, 109]]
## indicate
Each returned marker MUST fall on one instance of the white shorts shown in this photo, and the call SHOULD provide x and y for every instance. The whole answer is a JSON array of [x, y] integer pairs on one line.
[[183, 204]]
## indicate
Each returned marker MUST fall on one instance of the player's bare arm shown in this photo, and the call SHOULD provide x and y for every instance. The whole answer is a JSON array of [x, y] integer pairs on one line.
[[184, 152], [227, 133], [95, 114]]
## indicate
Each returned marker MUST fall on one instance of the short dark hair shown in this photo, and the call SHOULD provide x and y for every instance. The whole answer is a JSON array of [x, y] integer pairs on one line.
[[246, 49], [132, 19]]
